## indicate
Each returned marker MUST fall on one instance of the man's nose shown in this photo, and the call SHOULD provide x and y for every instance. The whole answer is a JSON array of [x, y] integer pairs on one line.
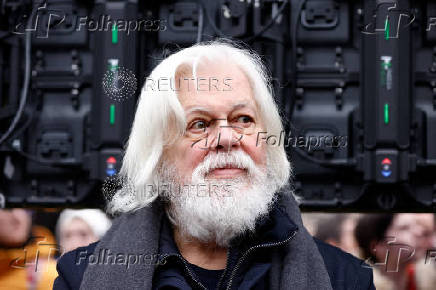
[[224, 137]]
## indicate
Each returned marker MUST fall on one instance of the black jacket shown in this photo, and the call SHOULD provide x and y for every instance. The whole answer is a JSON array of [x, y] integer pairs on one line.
[[344, 270]]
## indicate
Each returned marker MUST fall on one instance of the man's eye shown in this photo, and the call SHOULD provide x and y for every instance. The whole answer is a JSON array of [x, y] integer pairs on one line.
[[245, 119], [198, 125]]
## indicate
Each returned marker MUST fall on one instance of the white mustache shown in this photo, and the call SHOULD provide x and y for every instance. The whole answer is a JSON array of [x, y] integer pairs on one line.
[[232, 159]]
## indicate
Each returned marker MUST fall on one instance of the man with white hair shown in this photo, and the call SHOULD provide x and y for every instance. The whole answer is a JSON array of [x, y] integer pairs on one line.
[[205, 199]]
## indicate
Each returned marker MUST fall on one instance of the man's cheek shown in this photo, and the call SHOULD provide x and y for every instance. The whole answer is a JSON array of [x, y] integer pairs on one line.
[[193, 158], [254, 141], [256, 151]]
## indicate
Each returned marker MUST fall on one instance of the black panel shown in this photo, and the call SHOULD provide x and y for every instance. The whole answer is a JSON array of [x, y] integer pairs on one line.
[[355, 82]]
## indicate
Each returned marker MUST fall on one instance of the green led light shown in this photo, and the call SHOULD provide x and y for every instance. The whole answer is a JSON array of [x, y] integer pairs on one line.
[[387, 28], [113, 64], [386, 113], [114, 33], [112, 114]]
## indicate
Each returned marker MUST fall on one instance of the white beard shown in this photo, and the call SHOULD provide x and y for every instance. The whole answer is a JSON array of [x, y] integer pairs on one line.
[[217, 210]]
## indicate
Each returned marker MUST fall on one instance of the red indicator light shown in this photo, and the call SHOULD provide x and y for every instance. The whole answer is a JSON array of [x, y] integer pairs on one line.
[[111, 160], [386, 161]]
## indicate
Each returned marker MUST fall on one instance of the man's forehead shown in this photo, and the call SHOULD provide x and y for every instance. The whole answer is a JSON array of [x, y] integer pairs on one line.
[[218, 87], [214, 74], [247, 104]]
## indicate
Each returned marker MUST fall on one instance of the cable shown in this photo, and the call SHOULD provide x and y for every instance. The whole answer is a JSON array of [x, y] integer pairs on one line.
[[211, 21], [33, 157], [294, 31], [25, 88], [21, 130], [44, 161], [251, 38], [23, 100], [301, 153], [200, 23], [270, 22]]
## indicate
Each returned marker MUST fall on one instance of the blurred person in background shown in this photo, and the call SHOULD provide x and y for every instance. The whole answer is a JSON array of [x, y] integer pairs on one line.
[[425, 269], [311, 220], [78, 228], [394, 243], [26, 252], [425, 224], [338, 231]]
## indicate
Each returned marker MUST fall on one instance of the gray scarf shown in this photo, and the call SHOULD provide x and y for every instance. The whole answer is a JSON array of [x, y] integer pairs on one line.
[[136, 235]]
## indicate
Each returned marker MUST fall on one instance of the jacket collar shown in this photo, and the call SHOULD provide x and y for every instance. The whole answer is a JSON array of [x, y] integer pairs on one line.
[[300, 267]]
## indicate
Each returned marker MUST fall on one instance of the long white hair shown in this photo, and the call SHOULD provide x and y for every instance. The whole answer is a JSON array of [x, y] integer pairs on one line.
[[160, 119]]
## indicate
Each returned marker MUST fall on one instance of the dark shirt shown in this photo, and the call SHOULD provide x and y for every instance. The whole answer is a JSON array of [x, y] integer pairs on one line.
[[246, 270], [174, 271], [208, 278]]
